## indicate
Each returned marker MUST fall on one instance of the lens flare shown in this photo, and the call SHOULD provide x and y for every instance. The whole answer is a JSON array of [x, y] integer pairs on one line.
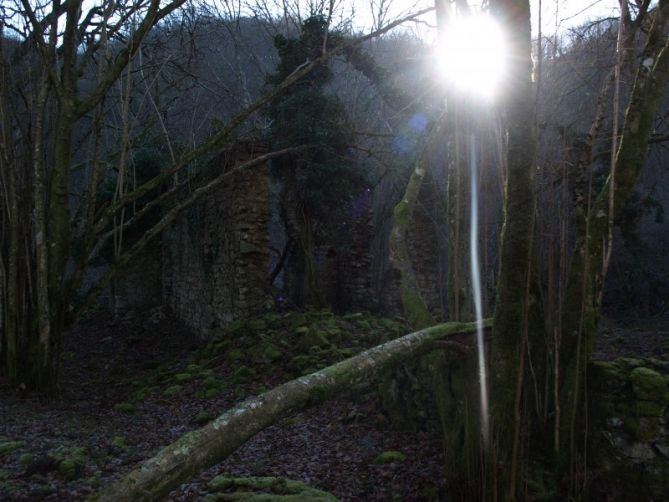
[[476, 287], [472, 54]]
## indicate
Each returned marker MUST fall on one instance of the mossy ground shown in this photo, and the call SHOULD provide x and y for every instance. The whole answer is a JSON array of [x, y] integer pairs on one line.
[[123, 398], [135, 384], [250, 356]]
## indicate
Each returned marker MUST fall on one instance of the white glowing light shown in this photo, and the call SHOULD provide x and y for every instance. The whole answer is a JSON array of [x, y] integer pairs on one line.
[[472, 55]]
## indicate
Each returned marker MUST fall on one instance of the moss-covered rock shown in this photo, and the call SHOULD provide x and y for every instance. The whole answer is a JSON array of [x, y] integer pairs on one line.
[[7, 488], [212, 382], [302, 361], [234, 355], [219, 347], [266, 352], [139, 395], [257, 325], [244, 374], [235, 327], [606, 375], [364, 324], [649, 385], [172, 390], [273, 320], [269, 489], [203, 417], [211, 393], [628, 401], [26, 459], [92, 482], [346, 352], [390, 456], [70, 461], [7, 447], [313, 338], [119, 443], [649, 409], [67, 469], [125, 407]]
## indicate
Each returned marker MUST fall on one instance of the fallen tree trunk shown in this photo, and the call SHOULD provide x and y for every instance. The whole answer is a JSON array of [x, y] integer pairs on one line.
[[202, 448]]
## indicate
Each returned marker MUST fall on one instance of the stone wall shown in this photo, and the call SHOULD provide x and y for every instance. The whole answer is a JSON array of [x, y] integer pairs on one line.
[[350, 258], [629, 438], [138, 284], [216, 256], [214, 263]]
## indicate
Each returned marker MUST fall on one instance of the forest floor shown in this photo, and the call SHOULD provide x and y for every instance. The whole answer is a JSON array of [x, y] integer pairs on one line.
[[126, 392], [134, 384]]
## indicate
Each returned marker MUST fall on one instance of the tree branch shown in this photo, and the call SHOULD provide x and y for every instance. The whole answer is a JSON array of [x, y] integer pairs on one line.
[[153, 15], [223, 135], [171, 215]]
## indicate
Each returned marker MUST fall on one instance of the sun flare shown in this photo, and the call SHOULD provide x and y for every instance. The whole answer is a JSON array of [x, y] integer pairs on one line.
[[472, 54]]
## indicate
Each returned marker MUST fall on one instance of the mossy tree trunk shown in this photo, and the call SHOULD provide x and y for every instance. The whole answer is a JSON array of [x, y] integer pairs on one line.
[[459, 287], [211, 444], [514, 331], [587, 272], [315, 294], [413, 302], [510, 334], [40, 226]]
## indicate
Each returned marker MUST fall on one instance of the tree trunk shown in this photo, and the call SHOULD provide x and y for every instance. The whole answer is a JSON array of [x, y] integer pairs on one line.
[[459, 278], [211, 444], [43, 322], [315, 296], [510, 335], [587, 274], [413, 303]]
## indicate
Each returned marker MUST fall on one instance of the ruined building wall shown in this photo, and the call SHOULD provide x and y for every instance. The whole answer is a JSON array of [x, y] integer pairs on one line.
[[213, 265], [350, 259], [216, 256], [138, 284]]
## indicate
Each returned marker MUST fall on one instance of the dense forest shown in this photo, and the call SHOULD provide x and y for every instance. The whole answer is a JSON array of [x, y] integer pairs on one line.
[[254, 251]]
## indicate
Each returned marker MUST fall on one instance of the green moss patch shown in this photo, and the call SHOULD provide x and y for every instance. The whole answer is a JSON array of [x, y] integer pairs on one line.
[[70, 461], [26, 459], [388, 457], [212, 383], [649, 385], [7, 447], [275, 345], [235, 355], [244, 375], [172, 390], [119, 443], [125, 407], [265, 489], [210, 393], [203, 417]]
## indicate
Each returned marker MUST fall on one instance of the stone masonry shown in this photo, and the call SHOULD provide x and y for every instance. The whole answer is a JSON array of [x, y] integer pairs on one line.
[[216, 256]]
